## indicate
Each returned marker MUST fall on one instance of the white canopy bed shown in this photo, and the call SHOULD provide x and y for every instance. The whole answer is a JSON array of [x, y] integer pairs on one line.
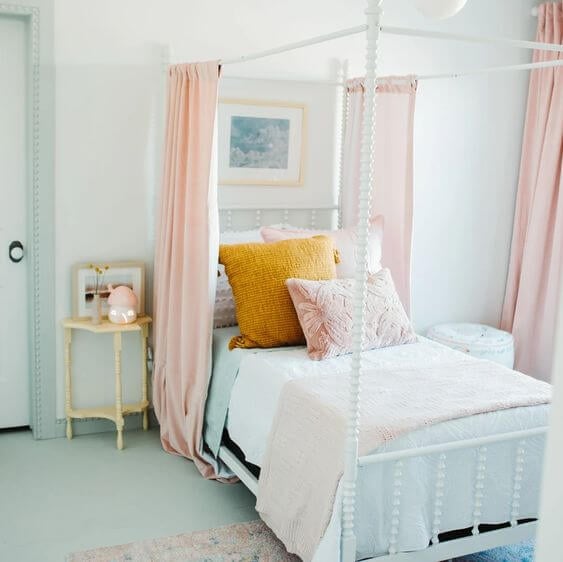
[[500, 455]]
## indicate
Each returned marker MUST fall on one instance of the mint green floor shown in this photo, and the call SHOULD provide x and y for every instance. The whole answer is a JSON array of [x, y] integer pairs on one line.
[[59, 496]]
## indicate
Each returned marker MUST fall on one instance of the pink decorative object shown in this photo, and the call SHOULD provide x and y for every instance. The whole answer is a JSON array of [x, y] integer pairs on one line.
[[122, 303], [324, 309], [344, 242]]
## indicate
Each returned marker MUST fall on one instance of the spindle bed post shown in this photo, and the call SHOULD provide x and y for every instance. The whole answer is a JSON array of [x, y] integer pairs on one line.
[[373, 20], [342, 77]]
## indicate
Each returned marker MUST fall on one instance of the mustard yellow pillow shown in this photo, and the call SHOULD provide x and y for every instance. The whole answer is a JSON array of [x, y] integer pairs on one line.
[[257, 273]]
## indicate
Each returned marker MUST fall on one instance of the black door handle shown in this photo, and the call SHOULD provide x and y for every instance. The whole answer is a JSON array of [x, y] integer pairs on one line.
[[15, 251]]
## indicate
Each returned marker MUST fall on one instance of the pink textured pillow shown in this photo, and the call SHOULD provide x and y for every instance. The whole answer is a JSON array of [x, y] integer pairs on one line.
[[324, 309], [344, 242]]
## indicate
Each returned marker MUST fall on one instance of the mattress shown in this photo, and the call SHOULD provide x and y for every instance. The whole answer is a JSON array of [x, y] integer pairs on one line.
[[252, 408], [224, 373]]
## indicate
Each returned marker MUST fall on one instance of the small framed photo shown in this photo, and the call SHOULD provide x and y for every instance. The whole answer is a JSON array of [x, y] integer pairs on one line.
[[261, 142], [85, 284]]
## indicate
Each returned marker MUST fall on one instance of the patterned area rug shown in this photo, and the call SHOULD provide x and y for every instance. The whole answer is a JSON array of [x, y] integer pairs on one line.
[[523, 552], [244, 542]]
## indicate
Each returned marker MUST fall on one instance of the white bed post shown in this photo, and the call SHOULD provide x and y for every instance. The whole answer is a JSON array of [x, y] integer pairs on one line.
[[342, 77], [373, 18]]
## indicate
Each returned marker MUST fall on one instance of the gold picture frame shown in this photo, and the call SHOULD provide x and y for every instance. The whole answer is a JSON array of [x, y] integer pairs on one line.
[[262, 142]]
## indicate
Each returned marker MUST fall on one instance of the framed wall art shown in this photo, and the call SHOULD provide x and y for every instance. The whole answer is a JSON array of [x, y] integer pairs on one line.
[[261, 142], [86, 282]]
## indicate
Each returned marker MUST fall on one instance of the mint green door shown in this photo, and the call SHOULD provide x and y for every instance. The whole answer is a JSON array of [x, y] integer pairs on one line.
[[14, 178]]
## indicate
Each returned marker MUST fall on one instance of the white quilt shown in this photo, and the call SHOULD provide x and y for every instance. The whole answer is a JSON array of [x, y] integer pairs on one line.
[[254, 400]]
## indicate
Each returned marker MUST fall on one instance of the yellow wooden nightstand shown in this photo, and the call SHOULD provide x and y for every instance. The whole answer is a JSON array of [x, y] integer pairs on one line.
[[113, 413]]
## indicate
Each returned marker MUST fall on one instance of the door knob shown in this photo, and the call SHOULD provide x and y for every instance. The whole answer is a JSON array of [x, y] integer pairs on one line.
[[15, 251]]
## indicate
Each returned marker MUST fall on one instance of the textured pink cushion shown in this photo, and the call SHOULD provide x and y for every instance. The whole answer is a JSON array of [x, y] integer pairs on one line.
[[325, 309], [344, 242]]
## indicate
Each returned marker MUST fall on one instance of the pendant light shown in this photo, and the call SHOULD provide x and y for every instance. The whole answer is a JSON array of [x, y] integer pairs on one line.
[[440, 9]]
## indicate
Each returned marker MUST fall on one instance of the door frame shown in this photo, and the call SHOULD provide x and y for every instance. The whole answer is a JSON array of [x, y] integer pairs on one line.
[[40, 215]]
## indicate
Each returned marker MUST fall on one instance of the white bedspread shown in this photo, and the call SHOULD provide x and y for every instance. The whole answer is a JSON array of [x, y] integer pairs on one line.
[[253, 405]]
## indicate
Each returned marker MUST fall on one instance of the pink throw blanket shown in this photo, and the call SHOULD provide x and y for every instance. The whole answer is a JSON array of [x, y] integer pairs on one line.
[[305, 456]]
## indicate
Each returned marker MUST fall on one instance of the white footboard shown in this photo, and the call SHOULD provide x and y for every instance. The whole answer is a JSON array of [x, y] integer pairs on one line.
[[479, 541], [450, 548]]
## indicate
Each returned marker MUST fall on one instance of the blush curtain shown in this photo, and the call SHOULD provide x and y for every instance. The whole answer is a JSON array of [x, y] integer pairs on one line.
[[535, 265], [393, 182], [186, 261]]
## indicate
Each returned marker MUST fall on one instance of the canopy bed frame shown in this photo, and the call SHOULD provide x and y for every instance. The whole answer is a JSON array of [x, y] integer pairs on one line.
[[231, 218]]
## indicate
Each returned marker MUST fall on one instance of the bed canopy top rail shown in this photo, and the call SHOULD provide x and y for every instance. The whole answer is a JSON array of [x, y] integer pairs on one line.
[[493, 69], [498, 41], [407, 32], [441, 75], [402, 31], [297, 45]]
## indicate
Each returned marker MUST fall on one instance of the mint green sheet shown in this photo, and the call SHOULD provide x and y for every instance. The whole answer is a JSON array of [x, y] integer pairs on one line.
[[224, 373], [223, 376]]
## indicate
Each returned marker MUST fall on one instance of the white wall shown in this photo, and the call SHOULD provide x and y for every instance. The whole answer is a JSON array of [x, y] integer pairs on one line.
[[109, 96], [105, 177]]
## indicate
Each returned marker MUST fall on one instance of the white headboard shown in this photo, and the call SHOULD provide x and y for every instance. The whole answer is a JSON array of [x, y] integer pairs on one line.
[[247, 218]]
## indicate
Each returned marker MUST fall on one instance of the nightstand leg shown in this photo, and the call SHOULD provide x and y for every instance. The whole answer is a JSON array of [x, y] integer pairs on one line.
[[144, 337], [118, 399], [68, 383]]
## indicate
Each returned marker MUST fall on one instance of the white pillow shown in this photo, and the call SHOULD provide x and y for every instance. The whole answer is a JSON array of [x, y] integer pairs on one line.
[[225, 311], [344, 241]]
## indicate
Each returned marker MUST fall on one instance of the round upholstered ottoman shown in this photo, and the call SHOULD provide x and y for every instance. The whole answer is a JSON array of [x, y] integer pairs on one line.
[[478, 340]]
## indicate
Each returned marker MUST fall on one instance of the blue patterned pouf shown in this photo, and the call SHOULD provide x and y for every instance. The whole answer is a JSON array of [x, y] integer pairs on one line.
[[478, 340], [523, 552]]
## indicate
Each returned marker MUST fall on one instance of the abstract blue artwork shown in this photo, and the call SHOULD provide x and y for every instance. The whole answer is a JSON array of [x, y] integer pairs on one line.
[[259, 142]]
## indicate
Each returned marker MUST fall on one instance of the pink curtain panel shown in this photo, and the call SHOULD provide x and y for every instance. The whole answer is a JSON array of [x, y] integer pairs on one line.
[[535, 265], [186, 261], [393, 183]]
